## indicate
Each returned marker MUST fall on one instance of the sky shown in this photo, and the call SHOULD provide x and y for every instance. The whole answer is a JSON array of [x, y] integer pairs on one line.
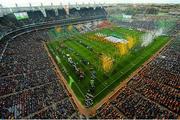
[[11, 3]]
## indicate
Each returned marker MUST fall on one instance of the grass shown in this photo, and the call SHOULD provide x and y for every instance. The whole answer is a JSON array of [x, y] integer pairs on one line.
[[123, 65]]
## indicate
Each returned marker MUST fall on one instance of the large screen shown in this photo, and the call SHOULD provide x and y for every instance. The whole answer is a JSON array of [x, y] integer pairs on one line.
[[21, 15]]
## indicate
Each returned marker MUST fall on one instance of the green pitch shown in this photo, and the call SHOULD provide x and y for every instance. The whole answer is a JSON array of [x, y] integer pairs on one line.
[[85, 54]]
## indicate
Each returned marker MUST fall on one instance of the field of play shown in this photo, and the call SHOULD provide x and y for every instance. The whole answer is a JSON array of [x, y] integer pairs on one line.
[[94, 66]]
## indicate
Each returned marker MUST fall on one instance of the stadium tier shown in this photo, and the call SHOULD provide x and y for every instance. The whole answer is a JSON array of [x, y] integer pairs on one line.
[[99, 62], [21, 19]]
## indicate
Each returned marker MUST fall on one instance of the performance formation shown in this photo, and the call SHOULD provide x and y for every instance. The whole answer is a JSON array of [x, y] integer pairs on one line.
[[90, 61]]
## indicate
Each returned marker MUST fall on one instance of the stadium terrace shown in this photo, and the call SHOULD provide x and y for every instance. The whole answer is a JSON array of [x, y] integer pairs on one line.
[[111, 61]]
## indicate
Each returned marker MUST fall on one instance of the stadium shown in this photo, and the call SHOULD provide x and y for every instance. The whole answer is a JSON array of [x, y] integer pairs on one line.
[[97, 61]]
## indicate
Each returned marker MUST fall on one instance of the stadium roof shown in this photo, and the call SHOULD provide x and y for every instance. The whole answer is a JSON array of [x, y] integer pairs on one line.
[[25, 3]]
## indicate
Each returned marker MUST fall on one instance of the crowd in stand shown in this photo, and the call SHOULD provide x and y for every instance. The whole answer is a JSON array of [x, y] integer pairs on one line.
[[29, 86], [9, 22], [108, 111], [63, 109], [153, 92], [147, 25], [175, 29]]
